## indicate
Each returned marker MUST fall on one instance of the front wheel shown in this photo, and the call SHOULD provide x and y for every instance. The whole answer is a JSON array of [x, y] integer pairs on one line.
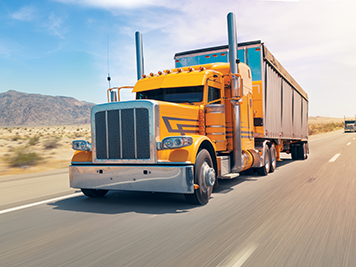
[[204, 177], [94, 192]]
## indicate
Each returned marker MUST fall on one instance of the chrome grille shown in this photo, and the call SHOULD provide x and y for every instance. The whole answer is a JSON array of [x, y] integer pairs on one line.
[[122, 134]]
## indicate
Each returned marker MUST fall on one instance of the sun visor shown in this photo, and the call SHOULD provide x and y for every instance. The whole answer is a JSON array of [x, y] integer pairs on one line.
[[173, 79]]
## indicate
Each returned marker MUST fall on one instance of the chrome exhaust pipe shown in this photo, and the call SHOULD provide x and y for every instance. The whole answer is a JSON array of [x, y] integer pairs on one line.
[[139, 55], [236, 92], [232, 36]]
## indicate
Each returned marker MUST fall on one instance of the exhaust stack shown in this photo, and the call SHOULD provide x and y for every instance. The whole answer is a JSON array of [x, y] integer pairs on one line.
[[139, 55], [236, 92]]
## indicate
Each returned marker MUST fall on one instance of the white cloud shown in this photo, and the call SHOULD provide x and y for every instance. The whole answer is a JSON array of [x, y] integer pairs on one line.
[[25, 13], [313, 39], [55, 25]]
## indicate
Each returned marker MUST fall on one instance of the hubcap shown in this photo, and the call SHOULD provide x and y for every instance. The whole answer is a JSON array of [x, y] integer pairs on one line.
[[208, 174]]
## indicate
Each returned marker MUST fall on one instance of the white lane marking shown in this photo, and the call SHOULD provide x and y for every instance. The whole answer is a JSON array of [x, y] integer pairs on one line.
[[334, 157], [240, 258], [348, 143], [39, 203]]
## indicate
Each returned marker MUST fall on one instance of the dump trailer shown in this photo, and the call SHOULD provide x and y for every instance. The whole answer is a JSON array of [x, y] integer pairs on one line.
[[220, 112], [349, 125]]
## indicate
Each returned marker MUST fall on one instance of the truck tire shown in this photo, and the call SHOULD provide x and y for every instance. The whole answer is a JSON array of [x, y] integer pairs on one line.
[[299, 151], [294, 149], [94, 193], [204, 176], [264, 170], [273, 158]]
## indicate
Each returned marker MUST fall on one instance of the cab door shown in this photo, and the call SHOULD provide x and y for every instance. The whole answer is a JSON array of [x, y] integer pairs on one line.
[[215, 122]]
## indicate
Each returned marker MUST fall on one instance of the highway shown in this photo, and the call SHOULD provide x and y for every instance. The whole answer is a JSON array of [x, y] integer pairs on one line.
[[303, 214]]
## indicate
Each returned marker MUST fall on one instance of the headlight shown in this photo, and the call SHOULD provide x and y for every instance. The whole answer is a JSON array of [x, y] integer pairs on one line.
[[81, 145], [176, 142]]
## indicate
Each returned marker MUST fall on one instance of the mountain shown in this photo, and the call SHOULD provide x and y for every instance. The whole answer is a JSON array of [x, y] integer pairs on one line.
[[19, 109]]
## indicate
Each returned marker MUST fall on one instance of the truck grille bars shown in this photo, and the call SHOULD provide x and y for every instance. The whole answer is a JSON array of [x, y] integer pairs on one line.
[[122, 134]]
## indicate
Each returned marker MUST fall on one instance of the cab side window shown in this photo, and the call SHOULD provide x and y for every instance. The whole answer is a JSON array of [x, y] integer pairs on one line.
[[214, 94]]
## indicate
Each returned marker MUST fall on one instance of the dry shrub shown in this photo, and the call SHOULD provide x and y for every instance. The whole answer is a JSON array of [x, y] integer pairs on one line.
[[324, 128], [22, 157], [15, 138], [51, 143], [33, 140]]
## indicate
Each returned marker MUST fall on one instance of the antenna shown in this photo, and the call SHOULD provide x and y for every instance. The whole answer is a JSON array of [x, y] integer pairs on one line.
[[108, 56]]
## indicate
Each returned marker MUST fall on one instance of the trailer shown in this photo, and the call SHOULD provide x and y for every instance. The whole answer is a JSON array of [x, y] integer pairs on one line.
[[220, 112]]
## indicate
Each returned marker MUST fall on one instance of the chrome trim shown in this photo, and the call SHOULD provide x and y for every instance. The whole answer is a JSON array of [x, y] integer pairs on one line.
[[107, 134], [237, 145], [120, 133], [135, 135], [216, 126], [170, 179]]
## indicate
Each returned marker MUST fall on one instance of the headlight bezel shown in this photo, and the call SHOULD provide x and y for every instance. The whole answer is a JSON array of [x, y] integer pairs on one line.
[[173, 142], [81, 145]]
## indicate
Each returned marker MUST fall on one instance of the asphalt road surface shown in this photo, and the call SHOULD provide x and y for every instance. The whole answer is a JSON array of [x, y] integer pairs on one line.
[[301, 215]]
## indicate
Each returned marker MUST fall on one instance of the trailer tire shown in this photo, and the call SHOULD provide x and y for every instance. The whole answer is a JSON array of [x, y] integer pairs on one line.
[[294, 149], [264, 170], [204, 176], [94, 193], [299, 151], [273, 158]]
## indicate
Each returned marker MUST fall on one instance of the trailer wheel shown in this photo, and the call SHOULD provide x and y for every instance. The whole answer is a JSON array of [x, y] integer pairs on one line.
[[204, 176], [299, 151], [273, 158], [295, 151], [264, 170], [93, 193]]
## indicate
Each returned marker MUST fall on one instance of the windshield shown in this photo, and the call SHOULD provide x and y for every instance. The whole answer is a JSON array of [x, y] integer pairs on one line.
[[176, 94]]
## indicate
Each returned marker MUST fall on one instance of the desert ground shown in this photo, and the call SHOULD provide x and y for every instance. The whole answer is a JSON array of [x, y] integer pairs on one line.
[[51, 143], [49, 147]]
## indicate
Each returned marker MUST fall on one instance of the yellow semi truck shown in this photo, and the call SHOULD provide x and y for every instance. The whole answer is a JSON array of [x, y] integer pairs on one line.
[[221, 111]]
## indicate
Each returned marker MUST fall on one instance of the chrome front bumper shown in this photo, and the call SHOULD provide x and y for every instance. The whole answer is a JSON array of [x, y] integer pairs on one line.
[[151, 178]]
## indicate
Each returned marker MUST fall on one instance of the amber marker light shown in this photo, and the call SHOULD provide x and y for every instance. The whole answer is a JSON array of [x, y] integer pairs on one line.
[[160, 73], [202, 68], [167, 71]]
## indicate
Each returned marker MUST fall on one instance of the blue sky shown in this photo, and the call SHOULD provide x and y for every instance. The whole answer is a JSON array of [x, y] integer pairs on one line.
[[59, 47]]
